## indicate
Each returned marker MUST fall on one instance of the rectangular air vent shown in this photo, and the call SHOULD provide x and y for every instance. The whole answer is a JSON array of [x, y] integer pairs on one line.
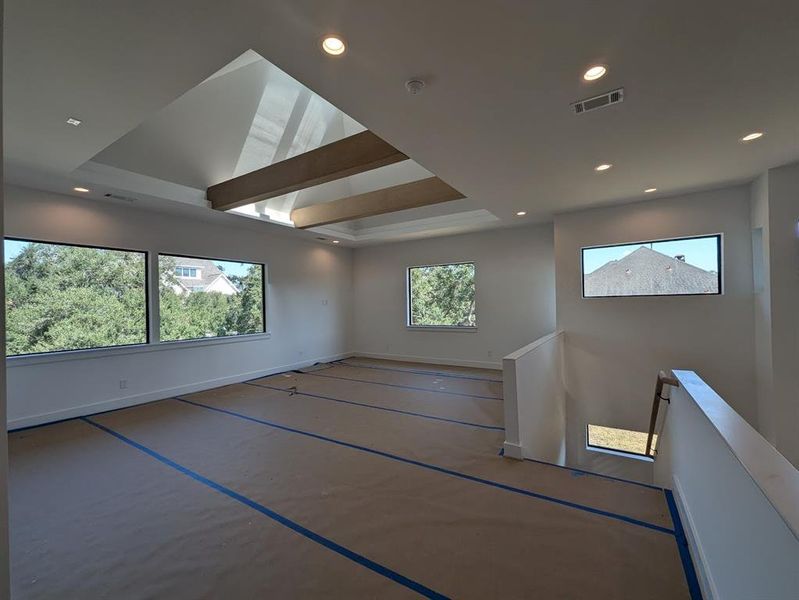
[[589, 104]]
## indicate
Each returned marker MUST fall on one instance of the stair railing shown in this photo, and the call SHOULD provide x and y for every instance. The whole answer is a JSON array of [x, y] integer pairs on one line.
[[663, 380]]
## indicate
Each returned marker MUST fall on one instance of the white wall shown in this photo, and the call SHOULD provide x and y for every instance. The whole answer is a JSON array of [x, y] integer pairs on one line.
[[738, 497], [535, 407], [4, 555], [783, 281], [615, 346], [308, 312], [514, 287]]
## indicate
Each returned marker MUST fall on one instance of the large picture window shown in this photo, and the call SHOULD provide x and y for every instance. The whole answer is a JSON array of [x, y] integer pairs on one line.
[[65, 297], [206, 298], [442, 296], [679, 267]]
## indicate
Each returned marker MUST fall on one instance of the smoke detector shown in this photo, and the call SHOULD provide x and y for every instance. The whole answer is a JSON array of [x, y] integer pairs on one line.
[[414, 86]]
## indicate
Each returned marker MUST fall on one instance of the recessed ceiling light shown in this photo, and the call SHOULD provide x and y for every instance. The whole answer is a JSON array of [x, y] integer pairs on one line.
[[650, 190], [521, 213], [74, 122], [595, 73], [81, 189], [334, 45], [752, 136], [335, 241], [602, 167]]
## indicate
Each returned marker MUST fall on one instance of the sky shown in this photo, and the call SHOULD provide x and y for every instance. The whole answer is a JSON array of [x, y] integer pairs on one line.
[[700, 252], [14, 247]]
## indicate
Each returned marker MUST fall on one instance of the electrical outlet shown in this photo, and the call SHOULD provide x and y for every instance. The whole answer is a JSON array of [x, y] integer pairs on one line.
[[490, 354], [324, 302], [123, 384]]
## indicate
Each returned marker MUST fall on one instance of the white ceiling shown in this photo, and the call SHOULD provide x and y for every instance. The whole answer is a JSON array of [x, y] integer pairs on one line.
[[494, 120]]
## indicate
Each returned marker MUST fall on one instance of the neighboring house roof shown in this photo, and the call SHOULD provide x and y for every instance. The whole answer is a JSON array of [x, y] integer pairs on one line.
[[648, 272], [209, 275]]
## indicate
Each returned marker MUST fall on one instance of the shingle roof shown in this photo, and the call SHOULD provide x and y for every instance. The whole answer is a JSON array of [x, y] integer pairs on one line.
[[648, 272], [208, 270]]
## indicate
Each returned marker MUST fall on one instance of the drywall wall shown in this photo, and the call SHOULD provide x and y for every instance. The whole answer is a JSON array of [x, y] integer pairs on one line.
[[515, 297], [5, 585], [761, 282], [783, 275], [614, 347], [309, 301], [731, 485], [535, 407]]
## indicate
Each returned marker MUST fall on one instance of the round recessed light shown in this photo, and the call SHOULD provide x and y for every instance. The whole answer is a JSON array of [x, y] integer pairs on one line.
[[595, 73], [752, 136], [334, 45], [603, 167], [335, 241], [521, 213], [650, 190], [81, 189]]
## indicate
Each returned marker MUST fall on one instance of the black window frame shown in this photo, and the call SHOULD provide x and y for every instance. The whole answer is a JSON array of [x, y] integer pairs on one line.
[[719, 262], [263, 266], [146, 256], [409, 290]]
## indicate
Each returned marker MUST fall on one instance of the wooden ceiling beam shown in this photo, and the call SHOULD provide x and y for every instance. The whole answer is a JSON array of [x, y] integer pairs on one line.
[[399, 197], [355, 154]]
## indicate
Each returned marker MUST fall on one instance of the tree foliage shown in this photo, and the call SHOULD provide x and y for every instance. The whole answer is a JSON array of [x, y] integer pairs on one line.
[[69, 298], [443, 295]]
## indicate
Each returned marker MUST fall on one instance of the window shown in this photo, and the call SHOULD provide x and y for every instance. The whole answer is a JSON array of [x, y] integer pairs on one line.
[[66, 297], [190, 272], [223, 298], [619, 440], [442, 296], [680, 267]]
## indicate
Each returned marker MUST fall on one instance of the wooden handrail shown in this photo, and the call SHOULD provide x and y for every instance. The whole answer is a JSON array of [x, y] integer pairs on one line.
[[663, 379]]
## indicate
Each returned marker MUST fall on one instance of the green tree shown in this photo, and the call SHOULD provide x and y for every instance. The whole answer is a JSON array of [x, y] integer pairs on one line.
[[443, 295]]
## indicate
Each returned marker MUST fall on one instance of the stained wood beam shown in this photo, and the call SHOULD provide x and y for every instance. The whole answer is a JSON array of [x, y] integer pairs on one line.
[[355, 154], [387, 200]]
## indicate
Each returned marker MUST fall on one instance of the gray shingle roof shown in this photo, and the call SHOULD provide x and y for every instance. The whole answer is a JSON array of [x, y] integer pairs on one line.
[[648, 272], [208, 274]]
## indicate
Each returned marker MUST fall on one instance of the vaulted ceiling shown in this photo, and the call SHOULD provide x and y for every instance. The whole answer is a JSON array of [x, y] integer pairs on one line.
[[174, 97]]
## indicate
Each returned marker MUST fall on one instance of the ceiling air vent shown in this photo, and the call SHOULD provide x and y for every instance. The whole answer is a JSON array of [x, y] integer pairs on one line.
[[121, 198], [589, 104]]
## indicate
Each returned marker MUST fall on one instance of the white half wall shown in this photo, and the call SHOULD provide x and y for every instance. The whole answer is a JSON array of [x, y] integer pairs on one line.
[[514, 286], [738, 497], [309, 299], [615, 347], [535, 408]]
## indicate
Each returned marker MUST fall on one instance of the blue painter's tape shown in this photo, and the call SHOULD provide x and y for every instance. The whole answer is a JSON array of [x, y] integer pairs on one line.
[[286, 522], [407, 387], [472, 478], [682, 545], [416, 371], [394, 410]]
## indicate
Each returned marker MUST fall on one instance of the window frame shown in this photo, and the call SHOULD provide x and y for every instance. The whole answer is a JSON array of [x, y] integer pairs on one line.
[[147, 333], [264, 271], [408, 290], [719, 253]]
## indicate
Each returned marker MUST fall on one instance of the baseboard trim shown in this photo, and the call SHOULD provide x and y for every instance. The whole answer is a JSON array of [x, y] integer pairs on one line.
[[161, 394], [449, 362], [706, 583], [512, 451]]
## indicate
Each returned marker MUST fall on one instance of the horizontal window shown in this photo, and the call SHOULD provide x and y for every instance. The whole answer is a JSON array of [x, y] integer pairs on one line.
[[442, 296], [222, 298], [679, 267], [619, 440], [66, 297]]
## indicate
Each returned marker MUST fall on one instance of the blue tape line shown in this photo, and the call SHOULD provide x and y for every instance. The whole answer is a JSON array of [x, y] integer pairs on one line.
[[593, 474], [394, 410], [501, 452], [407, 387], [430, 467], [682, 547], [418, 372], [296, 527]]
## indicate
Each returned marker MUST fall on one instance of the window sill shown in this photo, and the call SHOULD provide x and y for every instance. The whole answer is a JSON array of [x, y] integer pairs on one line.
[[434, 328], [95, 353], [621, 453]]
